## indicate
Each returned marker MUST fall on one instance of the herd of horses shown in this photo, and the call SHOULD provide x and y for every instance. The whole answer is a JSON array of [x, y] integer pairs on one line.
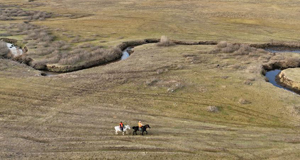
[[126, 128]]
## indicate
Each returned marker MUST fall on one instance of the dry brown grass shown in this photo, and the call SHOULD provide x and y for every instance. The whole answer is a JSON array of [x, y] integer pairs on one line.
[[71, 116], [4, 51]]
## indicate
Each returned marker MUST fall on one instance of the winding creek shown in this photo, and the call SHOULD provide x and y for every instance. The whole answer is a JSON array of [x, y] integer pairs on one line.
[[270, 75], [125, 55]]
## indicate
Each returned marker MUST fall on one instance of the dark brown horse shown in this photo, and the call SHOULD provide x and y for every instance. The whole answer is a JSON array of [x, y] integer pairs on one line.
[[144, 129]]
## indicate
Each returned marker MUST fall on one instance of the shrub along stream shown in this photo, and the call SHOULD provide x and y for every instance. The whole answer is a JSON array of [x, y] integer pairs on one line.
[[61, 57]]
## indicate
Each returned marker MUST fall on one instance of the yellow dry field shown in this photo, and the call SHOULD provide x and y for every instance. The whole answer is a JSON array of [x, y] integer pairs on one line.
[[72, 115], [236, 21], [293, 74]]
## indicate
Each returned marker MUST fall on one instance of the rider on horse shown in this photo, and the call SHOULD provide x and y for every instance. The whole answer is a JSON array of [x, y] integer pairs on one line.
[[140, 125], [121, 126]]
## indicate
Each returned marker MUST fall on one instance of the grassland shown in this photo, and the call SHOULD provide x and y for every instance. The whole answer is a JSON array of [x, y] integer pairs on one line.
[[71, 116]]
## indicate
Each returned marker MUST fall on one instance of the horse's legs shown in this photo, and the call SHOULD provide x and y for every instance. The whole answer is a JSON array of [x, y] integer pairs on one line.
[[116, 132], [146, 132], [123, 133]]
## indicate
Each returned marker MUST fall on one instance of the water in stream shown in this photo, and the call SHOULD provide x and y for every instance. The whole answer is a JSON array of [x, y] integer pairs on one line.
[[280, 50], [14, 50], [125, 53], [271, 75]]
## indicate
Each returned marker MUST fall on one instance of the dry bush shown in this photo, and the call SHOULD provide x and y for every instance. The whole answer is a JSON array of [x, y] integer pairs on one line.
[[5, 18], [244, 101], [259, 50], [32, 44], [53, 59], [86, 45], [80, 55], [164, 41], [30, 15], [112, 54], [254, 69], [244, 49], [40, 65], [65, 47], [213, 109], [175, 87], [296, 110], [76, 40], [42, 35], [38, 15], [151, 82], [44, 51], [248, 82], [292, 62], [222, 44], [230, 48], [214, 51], [237, 49], [96, 48], [62, 45], [4, 51], [43, 44]]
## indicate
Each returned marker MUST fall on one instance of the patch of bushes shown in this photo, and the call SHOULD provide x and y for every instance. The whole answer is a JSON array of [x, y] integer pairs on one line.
[[89, 58], [237, 49], [213, 109], [4, 51], [9, 13], [165, 42]]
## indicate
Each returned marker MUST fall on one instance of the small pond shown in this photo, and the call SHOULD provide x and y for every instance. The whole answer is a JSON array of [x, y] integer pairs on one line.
[[16, 51]]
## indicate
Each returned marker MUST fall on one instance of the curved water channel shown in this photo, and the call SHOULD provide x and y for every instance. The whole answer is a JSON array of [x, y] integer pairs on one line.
[[282, 50], [271, 75], [125, 55]]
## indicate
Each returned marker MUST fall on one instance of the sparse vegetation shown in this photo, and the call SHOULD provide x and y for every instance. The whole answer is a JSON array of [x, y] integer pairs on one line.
[[213, 109], [236, 49], [4, 51], [71, 116], [12, 14]]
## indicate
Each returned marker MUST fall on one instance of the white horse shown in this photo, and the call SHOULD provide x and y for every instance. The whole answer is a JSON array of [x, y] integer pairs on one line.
[[125, 128]]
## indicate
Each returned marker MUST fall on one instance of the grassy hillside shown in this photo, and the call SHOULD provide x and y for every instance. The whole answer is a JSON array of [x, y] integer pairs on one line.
[[72, 115]]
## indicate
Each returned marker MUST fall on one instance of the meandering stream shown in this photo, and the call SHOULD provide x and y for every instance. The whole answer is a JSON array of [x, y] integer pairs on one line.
[[125, 55], [271, 75]]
